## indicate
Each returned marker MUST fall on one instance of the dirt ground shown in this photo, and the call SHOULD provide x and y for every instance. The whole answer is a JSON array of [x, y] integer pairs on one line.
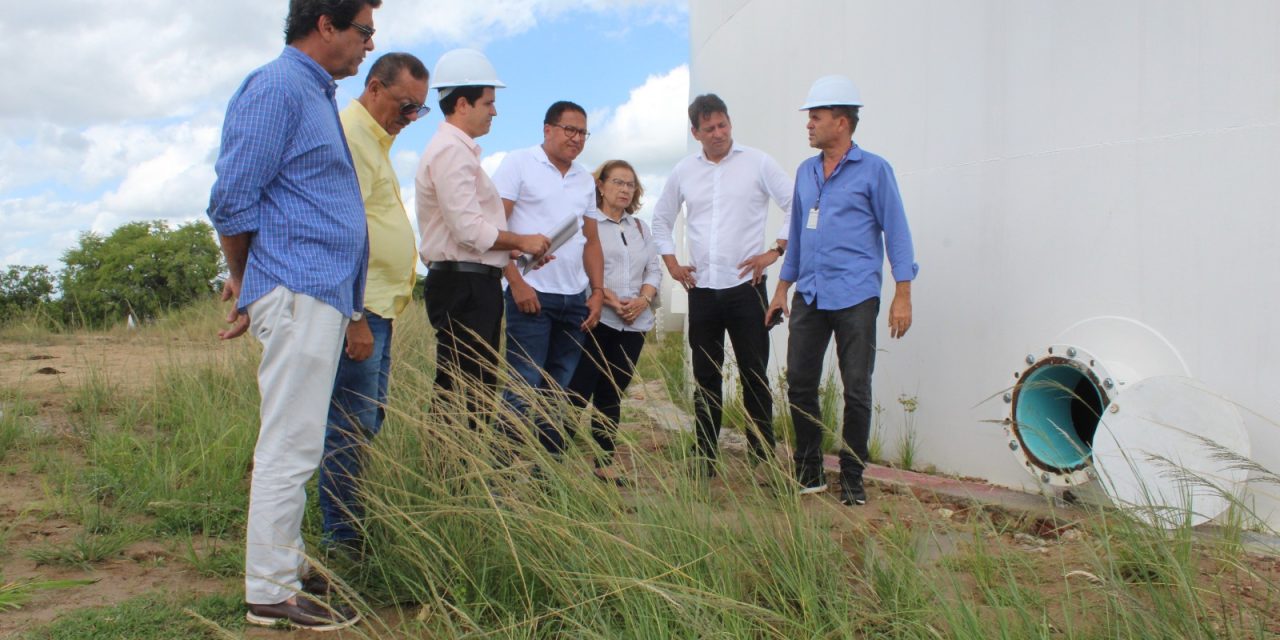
[[46, 373], [48, 369]]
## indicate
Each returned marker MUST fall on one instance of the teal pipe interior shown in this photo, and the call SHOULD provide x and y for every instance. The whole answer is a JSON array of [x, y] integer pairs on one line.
[[1057, 413]]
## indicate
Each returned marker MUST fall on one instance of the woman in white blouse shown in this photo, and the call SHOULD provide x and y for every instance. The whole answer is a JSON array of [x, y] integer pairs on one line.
[[631, 278]]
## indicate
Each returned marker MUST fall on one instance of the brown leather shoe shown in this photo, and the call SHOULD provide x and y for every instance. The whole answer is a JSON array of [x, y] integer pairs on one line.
[[303, 614]]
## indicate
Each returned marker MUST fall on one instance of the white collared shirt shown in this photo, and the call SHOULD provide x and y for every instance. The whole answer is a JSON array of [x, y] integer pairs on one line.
[[543, 199], [726, 208], [630, 262]]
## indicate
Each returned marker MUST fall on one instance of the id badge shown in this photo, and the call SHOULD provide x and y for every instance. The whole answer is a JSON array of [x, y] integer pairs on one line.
[[813, 219]]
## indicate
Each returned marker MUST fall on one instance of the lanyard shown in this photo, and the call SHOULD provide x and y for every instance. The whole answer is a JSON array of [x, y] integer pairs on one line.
[[822, 184]]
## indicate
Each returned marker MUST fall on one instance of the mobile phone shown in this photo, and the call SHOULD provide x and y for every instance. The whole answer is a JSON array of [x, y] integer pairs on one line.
[[775, 319]]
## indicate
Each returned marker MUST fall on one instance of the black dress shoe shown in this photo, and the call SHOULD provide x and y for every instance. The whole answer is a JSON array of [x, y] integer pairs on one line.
[[619, 481], [317, 584], [852, 493], [305, 613]]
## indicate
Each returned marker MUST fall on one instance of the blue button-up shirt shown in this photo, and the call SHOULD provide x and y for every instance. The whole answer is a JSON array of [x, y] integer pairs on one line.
[[285, 175], [860, 213]]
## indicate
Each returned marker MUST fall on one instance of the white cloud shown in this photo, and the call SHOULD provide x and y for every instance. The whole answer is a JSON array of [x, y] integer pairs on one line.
[[113, 115], [76, 63], [405, 164], [479, 22], [491, 162], [155, 173], [649, 130], [174, 181], [38, 229]]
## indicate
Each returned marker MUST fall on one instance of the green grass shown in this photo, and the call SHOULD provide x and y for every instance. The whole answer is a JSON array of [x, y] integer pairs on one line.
[[216, 558], [16, 418], [15, 595], [84, 550], [152, 617]]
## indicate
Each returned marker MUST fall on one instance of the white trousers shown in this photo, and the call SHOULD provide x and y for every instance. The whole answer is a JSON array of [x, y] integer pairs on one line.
[[301, 341]]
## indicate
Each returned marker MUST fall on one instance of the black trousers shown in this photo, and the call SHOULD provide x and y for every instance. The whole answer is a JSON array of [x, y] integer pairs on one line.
[[608, 362], [466, 311], [855, 332], [739, 311]]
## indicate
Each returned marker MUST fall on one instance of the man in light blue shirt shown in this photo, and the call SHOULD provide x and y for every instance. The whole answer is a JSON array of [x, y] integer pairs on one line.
[[290, 217], [845, 213]]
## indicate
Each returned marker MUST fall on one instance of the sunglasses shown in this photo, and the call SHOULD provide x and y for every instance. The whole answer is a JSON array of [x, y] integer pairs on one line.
[[364, 29]]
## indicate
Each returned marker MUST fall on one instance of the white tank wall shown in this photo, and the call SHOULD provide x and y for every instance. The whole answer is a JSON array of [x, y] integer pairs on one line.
[[1059, 161]]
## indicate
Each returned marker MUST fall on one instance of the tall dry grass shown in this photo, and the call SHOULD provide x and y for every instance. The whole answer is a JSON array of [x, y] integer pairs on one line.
[[471, 534]]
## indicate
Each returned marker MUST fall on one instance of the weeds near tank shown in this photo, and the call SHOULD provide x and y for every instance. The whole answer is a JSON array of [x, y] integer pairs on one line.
[[875, 444], [908, 444]]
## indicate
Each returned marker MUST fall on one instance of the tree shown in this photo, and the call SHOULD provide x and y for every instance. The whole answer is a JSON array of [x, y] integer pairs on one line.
[[142, 267], [24, 289]]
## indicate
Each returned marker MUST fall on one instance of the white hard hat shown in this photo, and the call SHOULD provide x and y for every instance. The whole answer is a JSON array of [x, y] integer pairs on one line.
[[832, 91], [463, 68]]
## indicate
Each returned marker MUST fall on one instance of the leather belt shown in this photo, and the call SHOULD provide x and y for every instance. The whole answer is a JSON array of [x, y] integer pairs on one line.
[[465, 267]]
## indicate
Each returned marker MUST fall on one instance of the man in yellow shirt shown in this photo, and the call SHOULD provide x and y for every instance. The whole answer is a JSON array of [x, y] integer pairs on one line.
[[393, 98]]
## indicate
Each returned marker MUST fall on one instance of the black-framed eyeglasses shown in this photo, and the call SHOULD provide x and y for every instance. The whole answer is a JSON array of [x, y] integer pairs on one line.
[[572, 132], [364, 29], [621, 184]]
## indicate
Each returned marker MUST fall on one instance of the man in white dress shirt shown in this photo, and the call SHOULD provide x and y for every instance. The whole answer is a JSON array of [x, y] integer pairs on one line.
[[725, 190], [548, 310]]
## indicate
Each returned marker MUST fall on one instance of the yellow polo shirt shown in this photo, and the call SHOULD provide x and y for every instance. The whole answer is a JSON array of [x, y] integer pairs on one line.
[[392, 255]]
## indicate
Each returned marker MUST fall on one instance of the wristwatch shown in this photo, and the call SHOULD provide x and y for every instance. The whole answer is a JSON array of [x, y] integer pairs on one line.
[[777, 246], [357, 316]]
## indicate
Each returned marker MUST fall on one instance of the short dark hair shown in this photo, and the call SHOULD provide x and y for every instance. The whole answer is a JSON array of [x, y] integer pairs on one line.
[[471, 93], [705, 105], [304, 15], [848, 112], [557, 109], [603, 172], [387, 68]]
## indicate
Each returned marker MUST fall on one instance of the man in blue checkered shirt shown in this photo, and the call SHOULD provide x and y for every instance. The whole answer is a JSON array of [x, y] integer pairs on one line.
[[290, 217]]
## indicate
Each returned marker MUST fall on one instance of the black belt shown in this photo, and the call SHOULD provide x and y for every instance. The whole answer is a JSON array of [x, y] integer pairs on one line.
[[465, 267]]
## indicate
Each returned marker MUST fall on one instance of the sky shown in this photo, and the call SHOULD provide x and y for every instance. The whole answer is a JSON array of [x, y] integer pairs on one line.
[[114, 116]]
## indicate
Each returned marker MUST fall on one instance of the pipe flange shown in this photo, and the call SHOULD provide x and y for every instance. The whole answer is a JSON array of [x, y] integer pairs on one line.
[[1027, 443]]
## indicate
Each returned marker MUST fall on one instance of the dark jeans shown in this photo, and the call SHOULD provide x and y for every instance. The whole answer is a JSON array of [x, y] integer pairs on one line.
[[608, 362], [855, 331], [543, 349], [739, 311], [355, 417], [466, 311]]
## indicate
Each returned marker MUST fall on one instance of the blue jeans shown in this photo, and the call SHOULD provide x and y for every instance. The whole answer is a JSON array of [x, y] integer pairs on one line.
[[543, 349], [355, 417]]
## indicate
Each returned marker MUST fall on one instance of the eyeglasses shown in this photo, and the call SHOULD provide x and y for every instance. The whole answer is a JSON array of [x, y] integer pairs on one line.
[[622, 184], [408, 109], [364, 29], [572, 132]]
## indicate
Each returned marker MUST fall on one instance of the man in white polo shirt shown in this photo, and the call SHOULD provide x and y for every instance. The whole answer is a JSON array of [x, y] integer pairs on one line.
[[726, 191], [547, 310]]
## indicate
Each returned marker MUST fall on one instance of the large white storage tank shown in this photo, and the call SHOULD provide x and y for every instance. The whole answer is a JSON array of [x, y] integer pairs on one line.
[[1096, 176]]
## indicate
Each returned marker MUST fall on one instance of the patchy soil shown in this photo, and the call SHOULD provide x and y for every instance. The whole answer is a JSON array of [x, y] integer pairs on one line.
[[48, 369], [30, 522]]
